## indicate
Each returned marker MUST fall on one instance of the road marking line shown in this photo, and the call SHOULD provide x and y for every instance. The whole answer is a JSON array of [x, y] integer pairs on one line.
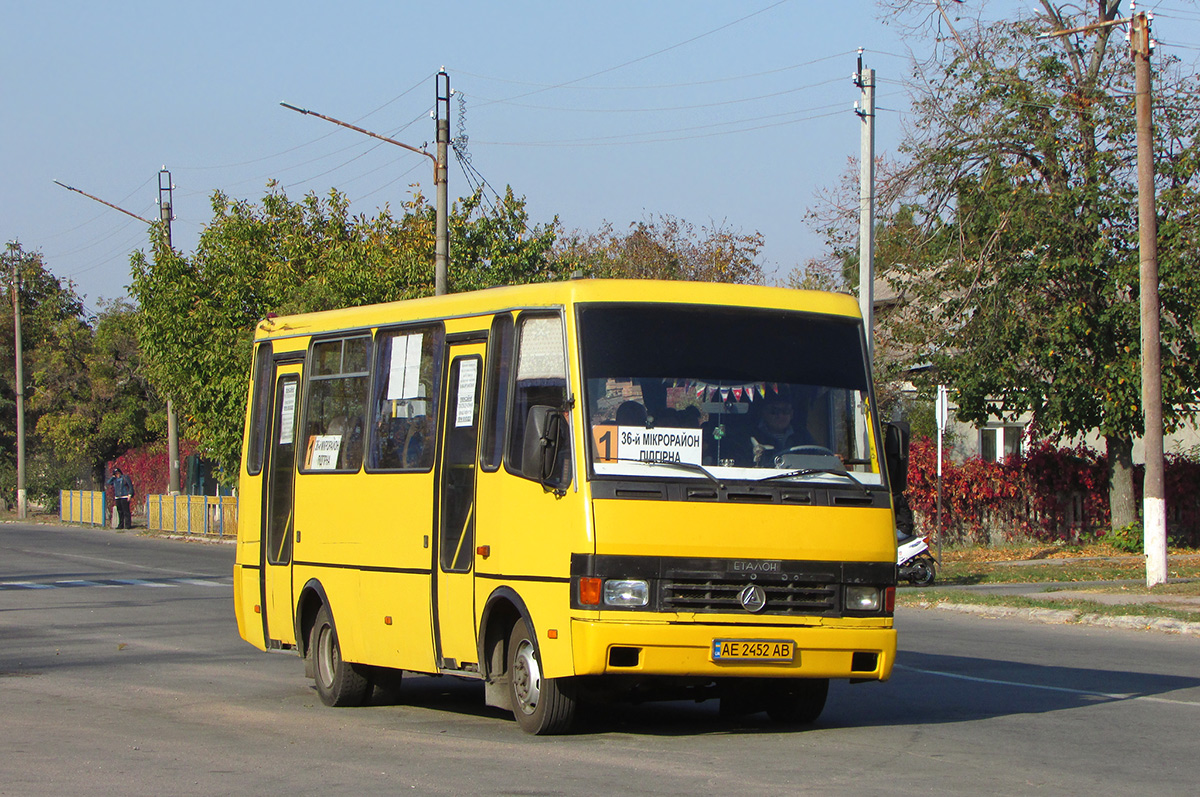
[[114, 582], [1068, 690]]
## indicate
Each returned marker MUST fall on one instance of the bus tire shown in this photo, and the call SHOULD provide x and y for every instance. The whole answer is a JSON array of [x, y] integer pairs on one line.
[[541, 706], [339, 683], [800, 702]]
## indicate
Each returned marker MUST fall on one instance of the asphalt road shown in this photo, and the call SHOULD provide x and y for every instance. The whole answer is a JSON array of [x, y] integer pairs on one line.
[[121, 671]]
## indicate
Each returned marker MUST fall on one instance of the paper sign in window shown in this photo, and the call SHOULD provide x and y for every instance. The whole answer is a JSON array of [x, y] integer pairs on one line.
[[287, 414], [404, 370], [323, 451], [467, 374]]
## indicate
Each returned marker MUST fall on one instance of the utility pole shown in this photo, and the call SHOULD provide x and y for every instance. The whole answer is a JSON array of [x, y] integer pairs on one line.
[[441, 116], [166, 209], [15, 290], [441, 255], [1154, 505], [865, 80]]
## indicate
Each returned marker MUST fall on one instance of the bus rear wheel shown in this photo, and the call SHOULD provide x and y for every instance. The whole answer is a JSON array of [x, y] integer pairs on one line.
[[339, 683], [541, 705]]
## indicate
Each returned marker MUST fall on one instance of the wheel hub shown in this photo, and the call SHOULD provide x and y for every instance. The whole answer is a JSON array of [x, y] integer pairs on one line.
[[526, 678]]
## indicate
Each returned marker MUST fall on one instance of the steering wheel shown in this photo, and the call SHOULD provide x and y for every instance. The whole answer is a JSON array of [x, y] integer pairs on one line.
[[811, 449]]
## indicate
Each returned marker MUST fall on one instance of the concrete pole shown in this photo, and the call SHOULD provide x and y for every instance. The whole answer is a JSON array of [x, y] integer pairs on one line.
[[15, 290], [1154, 504], [442, 243], [866, 207], [166, 213]]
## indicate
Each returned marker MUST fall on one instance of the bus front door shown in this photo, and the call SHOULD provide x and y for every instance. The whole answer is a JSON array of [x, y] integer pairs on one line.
[[453, 582], [277, 531]]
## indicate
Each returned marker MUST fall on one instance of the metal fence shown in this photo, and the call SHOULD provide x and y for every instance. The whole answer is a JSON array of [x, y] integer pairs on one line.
[[200, 515], [83, 506]]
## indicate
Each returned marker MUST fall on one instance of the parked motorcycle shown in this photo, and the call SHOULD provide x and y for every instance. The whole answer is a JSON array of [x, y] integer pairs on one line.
[[915, 563]]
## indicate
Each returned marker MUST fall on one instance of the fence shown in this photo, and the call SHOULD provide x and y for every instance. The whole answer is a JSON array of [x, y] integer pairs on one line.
[[200, 515], [83, 506]]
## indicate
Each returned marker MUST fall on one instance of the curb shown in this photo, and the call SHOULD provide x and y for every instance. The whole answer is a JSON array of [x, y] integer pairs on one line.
[[1063, 616]]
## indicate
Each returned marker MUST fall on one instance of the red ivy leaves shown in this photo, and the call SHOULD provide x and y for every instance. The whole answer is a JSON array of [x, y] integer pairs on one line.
[[149, 468], [1049, 493]]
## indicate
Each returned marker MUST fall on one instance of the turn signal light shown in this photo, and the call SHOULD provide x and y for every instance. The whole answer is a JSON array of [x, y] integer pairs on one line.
[[889, 599], [590, 589]]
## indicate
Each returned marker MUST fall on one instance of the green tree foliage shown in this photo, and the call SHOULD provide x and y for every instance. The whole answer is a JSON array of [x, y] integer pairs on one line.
[[1016, 239], [286, 256], [51, 324], [668, 248], [95, 400]]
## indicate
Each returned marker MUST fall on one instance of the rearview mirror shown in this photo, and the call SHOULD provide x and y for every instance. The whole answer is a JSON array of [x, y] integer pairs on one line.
[[546, 448], [895, 450]]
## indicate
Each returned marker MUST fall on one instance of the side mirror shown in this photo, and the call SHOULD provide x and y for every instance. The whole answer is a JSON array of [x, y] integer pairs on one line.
[[546, 447], [896, 437]]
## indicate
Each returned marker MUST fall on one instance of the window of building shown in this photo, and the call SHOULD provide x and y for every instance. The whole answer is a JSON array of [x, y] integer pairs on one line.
[[998, 443]]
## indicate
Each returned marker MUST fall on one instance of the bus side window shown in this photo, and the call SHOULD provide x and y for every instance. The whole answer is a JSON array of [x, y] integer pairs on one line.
[[499, 378], [261, 403], [541, 379], [405, 401], [336, 404]]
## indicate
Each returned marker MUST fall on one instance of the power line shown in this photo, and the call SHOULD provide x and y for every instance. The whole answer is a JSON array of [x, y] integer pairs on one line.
[[668, 108], [655, 87], [649, 55]]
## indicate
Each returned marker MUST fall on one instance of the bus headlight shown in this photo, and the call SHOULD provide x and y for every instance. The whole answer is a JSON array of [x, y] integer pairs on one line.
[[626, 592], [862, 599]]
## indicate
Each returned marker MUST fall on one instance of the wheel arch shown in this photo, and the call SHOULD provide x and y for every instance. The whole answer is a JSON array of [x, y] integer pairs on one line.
[[312, 598], [503, 609]]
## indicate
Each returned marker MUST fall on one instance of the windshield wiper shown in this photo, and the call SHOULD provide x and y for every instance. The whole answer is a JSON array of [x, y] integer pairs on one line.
[[817, 471], [688, 466]]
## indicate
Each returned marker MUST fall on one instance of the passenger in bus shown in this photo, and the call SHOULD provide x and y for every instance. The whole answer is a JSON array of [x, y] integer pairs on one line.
[[632, 413]]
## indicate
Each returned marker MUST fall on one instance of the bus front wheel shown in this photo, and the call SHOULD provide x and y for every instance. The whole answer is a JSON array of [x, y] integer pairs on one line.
[[540, 705], [799, 703], [339, 683]]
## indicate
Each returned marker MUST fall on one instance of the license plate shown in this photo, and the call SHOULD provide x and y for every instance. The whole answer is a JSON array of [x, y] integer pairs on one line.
[[753, 650]]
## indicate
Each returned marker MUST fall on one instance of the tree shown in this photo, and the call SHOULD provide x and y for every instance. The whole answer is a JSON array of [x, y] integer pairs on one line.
[[95, 400], [1016, 237], [51, 321], [666, 248], [198, 314]]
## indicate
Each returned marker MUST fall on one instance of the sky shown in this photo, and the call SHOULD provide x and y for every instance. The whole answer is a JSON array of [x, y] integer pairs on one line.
[[728, 114]]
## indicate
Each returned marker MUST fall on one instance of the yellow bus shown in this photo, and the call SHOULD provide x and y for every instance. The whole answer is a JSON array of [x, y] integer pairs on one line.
[[570, 491]]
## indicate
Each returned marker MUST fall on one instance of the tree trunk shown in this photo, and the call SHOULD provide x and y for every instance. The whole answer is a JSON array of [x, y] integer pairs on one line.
[[1121, 503]]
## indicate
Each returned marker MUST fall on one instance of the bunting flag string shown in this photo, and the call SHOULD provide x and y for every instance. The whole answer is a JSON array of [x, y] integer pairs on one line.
[[707, 391]]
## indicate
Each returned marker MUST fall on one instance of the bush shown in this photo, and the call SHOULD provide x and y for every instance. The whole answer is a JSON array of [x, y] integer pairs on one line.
[[1049, 494], [1128, 538]]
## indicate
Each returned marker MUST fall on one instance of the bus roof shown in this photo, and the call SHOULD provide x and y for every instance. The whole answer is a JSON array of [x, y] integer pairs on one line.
[[557, 294]]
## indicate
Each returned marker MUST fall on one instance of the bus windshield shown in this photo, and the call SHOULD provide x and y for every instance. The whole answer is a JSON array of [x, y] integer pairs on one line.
[[732, 393]]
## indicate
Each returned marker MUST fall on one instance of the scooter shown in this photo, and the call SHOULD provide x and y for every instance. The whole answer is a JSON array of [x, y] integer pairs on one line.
[[915, 563]]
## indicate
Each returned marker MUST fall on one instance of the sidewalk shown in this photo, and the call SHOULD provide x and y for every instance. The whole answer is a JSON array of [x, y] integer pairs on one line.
[[1094, 591]]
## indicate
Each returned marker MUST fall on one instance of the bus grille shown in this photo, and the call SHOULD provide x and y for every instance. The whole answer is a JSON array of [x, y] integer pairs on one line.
[[721, 595]]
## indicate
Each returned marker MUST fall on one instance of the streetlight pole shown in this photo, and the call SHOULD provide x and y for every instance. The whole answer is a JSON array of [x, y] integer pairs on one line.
[[441, 257], [166, 213], [441, 254]]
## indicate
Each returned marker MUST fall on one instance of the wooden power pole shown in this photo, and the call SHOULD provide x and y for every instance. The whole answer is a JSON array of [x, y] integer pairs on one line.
[[1154, 505]]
